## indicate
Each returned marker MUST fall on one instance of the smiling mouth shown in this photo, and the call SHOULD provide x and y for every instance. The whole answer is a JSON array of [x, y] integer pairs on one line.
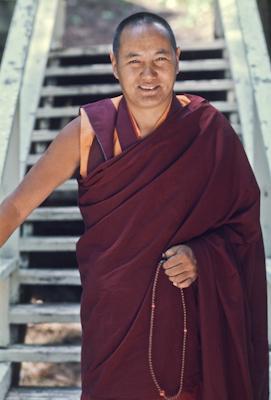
[[148, 88]]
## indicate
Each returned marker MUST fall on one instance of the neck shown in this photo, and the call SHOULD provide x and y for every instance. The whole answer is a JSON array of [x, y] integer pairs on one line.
[[148, 118]]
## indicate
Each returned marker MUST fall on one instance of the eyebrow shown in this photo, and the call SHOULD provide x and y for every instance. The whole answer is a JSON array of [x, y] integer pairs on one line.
[[160, 51]]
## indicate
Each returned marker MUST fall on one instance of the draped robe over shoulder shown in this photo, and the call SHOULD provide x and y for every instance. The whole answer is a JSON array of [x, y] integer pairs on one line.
[[188, 182]]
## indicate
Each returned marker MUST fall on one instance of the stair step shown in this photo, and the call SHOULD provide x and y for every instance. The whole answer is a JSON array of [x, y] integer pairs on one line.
[[40, 135], [114, 88], [44, 393], [216, 64], [40, 353], [62, 112], [44, 313], [108, 90], [218, 44], [69, 185], [5, 379], [53, 213], [52, 276], [44, 135], [48, 243]]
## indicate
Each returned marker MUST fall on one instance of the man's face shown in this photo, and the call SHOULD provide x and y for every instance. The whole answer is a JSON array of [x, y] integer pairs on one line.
[[146, 65]]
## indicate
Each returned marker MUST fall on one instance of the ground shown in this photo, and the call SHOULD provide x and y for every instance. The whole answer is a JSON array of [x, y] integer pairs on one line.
[[93, 22]]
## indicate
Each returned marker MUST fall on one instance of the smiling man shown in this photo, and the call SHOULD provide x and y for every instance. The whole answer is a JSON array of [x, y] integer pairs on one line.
[[172, 264], [145, 60]]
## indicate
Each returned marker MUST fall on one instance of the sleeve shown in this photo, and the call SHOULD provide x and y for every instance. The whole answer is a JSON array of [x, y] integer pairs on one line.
[[232, 298]]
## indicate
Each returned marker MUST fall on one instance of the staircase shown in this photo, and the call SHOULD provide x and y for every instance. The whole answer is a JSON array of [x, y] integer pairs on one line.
[[45, 287], [48, 277]]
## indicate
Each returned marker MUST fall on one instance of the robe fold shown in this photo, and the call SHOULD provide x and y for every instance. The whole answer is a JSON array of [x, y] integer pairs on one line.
[[188, 182]]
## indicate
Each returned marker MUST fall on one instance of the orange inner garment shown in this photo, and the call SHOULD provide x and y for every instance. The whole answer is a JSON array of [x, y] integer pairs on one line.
[[87, 132]]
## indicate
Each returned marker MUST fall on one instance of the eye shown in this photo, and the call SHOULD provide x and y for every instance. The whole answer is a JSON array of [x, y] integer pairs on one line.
[[161, 59], [133, 62]]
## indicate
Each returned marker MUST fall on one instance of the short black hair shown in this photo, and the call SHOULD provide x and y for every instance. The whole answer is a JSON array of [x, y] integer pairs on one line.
[[142, 18]]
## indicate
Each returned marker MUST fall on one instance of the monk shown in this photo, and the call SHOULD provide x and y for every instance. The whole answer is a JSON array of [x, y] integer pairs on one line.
[[172, 263]]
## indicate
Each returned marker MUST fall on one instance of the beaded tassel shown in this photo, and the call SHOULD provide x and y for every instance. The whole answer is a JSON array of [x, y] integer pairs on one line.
[[162, 392]]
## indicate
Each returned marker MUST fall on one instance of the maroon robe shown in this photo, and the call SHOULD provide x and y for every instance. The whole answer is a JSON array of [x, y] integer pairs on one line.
[[188, 182]]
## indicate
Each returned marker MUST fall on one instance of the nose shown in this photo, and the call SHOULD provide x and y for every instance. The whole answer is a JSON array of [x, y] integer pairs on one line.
[[148, 72]]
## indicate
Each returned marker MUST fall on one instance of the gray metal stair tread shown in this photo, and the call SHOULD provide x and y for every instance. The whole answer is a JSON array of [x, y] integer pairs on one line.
[[107, 89], [72, 111], [53, 213], [44, 313], [217, 44], [49, 276], [48, 243], [214, 64], [40, 353], [44, 393]]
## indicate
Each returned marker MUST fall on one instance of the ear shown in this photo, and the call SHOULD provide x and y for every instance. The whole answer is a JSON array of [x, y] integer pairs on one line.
[[177, 54], [114, 64]]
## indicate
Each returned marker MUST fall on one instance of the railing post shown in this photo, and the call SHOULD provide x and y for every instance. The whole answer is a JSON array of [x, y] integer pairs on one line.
[[11, 75], [252, 81], [4, 311], [218, 27], [10, 178], [43, 30], [59, 28], [258, 62]]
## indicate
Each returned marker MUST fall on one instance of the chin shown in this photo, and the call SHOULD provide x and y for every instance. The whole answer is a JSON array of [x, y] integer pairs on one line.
[[151, 102]]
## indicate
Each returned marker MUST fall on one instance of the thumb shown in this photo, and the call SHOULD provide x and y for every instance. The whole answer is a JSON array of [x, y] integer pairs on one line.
[[171, 252]]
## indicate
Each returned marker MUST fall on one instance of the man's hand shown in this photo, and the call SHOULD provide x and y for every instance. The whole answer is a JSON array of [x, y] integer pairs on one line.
[[181, 266]]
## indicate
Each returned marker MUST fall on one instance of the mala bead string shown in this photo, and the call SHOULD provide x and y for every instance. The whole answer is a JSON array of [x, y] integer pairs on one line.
[[162, 392]]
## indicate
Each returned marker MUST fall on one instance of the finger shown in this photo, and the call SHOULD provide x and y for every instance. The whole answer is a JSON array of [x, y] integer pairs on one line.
[[178, 269], [171, 251], [175, 261], [185, 284], [180, 277], [188, 252]]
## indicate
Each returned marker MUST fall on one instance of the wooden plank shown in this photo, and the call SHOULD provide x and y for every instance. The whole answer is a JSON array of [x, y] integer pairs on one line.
[[70, 185], [12, 67], [55, 214], [43, 135], [258, 61], [268, 276], [61, 112], [217, 44], [34, 73], [216, 64], [239, 70], [246, 45], [77, 90], [260, 71], [5, 379], [7, 267], [44, 313], [44, 393], [40, 353], [47, 135], [52, 276], [4, 311], [211, 85], [48, 243]]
